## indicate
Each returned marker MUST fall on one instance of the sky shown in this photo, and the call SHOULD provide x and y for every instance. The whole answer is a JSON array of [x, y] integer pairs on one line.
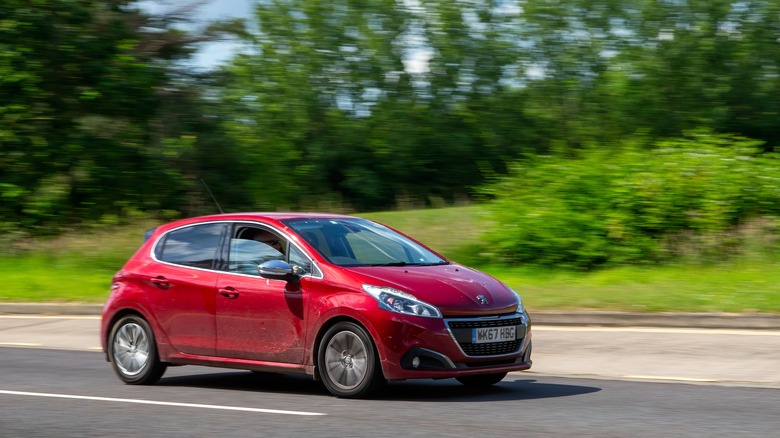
[[211, 54], [214, 53]]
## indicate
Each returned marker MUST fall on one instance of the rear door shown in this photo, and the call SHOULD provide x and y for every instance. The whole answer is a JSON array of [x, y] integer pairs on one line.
[[184, 280]]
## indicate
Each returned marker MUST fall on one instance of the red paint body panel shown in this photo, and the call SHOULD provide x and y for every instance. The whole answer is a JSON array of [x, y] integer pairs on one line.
[[185, 309], [264, 322], [452, 288]]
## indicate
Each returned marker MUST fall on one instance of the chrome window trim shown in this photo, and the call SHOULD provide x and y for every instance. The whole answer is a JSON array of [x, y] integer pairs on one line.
[[287, 236], [165, 234]]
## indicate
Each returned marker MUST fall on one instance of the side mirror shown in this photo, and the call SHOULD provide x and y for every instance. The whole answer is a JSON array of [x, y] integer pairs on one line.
[[278, 270]]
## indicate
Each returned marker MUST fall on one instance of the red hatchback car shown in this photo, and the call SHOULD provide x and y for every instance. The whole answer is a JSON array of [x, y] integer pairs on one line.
[[346, 300]]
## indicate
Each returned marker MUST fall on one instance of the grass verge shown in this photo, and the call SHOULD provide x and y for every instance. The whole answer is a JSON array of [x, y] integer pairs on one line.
[[78, 268], [734, 287]]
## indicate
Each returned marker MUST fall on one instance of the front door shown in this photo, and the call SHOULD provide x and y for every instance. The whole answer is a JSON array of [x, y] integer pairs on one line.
[[258, 319]]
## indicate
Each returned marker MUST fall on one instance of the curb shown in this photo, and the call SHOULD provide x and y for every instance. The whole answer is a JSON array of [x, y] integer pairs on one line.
[[51, 309], [750, 321], [539, 317]]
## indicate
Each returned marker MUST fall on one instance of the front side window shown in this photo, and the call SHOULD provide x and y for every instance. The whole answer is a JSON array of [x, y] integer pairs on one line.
[[251, 246], [360, 242], [194, 246]]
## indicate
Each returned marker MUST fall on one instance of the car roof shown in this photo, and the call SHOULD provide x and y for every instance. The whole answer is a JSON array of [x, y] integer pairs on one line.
[[276, 216], [268, 217]]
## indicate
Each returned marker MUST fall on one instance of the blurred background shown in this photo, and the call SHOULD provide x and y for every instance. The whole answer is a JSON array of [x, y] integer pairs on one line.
[[553, 139]]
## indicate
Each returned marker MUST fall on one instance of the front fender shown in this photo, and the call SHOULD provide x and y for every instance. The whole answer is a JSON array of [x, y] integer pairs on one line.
[[354, 306]]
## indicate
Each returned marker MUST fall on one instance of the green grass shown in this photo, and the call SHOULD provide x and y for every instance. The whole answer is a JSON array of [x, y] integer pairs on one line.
[[37, 278], [75, 267], [78, 267], [738, 288]]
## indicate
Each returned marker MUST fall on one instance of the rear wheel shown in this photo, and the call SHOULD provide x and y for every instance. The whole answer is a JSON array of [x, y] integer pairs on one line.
[[133, 352], [348, 363], [481, 379]]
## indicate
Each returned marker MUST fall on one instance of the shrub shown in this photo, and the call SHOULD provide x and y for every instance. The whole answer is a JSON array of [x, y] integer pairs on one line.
[[634, 205]]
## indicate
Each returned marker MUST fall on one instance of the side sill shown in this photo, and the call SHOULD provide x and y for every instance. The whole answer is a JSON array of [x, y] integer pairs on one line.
[[239, 364]]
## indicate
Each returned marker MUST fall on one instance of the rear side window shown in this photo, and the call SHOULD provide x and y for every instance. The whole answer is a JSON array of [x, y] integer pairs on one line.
[[195, 246]]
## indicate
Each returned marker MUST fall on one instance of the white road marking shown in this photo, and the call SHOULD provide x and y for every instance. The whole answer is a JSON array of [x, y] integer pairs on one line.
[[669, 330], [677, 379], [82, 317], [160, 403], [19, 344]]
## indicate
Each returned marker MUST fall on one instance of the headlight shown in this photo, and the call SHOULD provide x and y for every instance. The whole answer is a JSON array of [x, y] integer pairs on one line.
[[395, 300], [520, 308]]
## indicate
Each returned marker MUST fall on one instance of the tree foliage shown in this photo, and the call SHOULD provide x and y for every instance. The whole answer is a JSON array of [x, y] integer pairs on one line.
[[371, 104], [372, 101], [92, 111]]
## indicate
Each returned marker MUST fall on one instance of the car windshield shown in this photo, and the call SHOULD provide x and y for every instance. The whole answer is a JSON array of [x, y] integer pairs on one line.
[[360, 242]]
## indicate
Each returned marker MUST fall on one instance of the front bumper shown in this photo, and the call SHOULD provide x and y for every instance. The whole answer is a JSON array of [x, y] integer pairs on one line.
[[414, 347]]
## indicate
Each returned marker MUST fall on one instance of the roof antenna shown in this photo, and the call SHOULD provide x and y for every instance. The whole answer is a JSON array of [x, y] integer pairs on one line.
[[219, 207]]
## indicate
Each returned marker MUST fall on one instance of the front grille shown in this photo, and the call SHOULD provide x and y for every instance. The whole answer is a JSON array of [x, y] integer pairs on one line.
[[462, 329], [459, 324], [492, 349]]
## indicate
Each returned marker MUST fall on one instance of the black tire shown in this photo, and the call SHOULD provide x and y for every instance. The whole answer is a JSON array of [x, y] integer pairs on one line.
[[481, 380], [132, 352], [348, 362]]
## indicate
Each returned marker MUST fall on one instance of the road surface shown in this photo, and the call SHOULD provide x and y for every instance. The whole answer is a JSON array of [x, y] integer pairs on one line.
[[586, 381]]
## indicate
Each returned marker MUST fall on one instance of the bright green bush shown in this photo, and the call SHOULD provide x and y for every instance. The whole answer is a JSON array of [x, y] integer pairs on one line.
[[703, 195]]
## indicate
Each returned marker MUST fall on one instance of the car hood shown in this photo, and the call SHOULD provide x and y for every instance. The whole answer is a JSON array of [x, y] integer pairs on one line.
[[456, 290]]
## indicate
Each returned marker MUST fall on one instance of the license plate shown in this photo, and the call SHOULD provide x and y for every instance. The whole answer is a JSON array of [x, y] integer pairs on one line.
[[494, 334]]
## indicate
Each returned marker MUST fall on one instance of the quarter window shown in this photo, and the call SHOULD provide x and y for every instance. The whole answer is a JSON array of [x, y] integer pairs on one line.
[[300, 263]]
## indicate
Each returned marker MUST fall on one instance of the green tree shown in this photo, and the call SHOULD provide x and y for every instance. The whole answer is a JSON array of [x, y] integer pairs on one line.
[[89, 100], [607, 69], [372, 103]]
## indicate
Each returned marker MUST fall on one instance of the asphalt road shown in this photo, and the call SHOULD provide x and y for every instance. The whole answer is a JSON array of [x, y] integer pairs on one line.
[[586, 381], [694, 355], [69, 393]]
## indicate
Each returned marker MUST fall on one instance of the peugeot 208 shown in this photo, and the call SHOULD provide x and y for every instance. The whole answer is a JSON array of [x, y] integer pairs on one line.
[[346, 300]]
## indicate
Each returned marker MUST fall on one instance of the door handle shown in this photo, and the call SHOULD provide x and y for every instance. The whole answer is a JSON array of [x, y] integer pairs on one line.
[[229, 292], [161, 282]]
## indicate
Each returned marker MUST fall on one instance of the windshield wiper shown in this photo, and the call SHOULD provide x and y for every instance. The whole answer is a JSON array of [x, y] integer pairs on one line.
[[400, 263], [389, 264]]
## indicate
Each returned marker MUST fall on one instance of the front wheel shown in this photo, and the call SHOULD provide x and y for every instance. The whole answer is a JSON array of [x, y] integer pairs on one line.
[[133, 352], [481, 380], [348, 362]]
